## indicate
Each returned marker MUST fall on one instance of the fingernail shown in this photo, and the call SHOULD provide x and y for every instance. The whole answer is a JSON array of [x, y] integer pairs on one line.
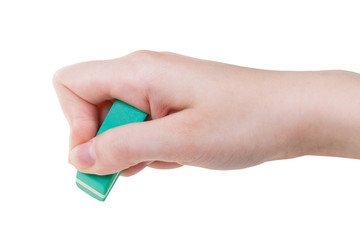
[[83, 155]]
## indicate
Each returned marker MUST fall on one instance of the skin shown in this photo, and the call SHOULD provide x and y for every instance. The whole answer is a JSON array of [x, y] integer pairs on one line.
[[206, 114]]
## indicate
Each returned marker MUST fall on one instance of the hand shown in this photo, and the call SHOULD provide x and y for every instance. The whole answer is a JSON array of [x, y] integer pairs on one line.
[[203, 113]]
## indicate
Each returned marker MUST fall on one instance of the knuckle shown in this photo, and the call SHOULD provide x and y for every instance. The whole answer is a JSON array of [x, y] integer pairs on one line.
[[145, 55], [58, 75], [62, 75], [148, 66], [167, 53], [150, 60]]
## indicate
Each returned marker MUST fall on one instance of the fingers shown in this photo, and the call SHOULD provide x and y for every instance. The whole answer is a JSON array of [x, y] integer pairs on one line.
[[126, 146], [80, 87]]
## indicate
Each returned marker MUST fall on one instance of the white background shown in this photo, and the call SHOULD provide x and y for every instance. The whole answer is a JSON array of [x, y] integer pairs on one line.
[[305, 198]]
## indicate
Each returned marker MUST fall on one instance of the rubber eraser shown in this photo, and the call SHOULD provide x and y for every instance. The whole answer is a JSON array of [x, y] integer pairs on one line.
[[98, 186]]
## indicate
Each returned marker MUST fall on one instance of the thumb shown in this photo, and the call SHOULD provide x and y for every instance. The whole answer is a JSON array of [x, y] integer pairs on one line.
[[125, 146]]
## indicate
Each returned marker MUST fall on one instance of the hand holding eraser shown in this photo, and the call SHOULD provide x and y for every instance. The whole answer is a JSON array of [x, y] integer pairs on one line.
[[120, 114]]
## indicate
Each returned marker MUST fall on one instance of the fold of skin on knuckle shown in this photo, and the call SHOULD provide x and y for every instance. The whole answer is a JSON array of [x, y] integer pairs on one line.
[[114, 155]]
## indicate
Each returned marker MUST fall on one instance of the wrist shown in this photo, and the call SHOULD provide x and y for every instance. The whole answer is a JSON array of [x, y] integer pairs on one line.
[[330, 103]]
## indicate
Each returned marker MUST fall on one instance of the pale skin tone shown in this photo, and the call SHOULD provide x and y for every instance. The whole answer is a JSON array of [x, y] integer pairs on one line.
[[205, 113]]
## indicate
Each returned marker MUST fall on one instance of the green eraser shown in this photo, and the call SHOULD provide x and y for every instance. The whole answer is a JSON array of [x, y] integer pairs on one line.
[[99, 186]]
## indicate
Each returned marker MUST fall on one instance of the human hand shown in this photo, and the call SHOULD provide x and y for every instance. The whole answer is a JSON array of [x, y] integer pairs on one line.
[[203, 113]]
